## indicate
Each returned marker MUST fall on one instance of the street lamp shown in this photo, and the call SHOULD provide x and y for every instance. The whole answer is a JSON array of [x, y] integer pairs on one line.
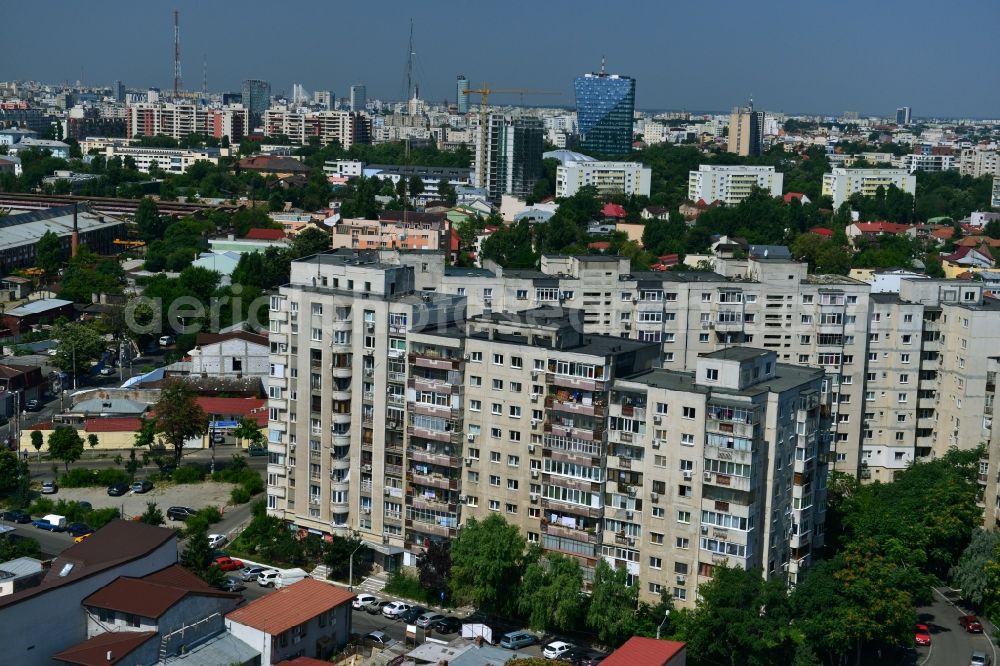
[[350, 567], [211, 445], [666, 614]]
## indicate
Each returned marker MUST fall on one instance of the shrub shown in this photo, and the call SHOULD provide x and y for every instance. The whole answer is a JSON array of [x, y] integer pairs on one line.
[[98, 518], [239, 495], [189, 474], [87, 478], [407, 586], [41, 506], [253, 484]]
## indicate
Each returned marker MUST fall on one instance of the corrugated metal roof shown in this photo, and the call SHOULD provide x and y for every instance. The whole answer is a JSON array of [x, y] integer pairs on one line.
[[35, 307], [27, 228]]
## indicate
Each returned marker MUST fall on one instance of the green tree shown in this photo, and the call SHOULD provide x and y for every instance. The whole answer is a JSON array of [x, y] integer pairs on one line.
[[309, 242], [337, 557], [248, 431], [12, 548], [434, 567], [446, 192], [179, 417], [12, 468], [611, 614], [49, 252], [197, 554], [969, 573], [552, 593], [152, 515], [92, 441], [79, 346], [37, 439], [741, 619], [416, 185], [65, 444], [487, 560], [511, 246], [148, 221]]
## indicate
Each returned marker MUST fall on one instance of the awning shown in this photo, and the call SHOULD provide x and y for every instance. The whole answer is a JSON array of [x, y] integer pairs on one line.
[[383, 548]]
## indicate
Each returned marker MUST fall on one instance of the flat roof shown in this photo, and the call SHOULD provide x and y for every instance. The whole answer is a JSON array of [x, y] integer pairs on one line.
[[738, 353], [27, 228], [37, 307]]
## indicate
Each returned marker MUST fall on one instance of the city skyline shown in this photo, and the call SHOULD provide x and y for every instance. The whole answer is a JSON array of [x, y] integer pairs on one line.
[[676, 68]]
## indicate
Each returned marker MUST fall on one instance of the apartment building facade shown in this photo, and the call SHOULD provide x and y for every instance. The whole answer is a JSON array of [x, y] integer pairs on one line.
[[508, 154], [977, 162], [344, 127], [841, 183], [732, 184], [607, 177], [181, 120], [169, 160]]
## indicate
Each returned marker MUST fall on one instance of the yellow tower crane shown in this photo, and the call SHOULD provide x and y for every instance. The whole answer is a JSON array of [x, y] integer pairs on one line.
[[484, 102]]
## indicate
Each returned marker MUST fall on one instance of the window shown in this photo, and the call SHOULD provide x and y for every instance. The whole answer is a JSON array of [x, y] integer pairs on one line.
[[522, 294], [494, 505], [687, 439], [904, 378], [475, 405], [497, 384], [510, 508], [655, 537], [682, 542], [703, 337], [497, 359], [317, 335], [475, 381], [658, 512], [496, 408], [904, 358], [689, 412], [496, 433], [516, 362], [684, 517], [511, 484], [514, 411], [515, 387], [712, 374], [131, 620], [494, 480], [655, 563], [513, 461], [901, 397], [476, 357], [494, 456]]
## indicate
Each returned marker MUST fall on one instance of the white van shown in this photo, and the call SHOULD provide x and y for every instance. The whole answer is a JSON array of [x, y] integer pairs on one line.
[[289, 576]]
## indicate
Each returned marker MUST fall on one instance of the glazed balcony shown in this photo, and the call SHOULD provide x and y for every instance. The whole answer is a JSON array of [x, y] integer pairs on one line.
[[573, 382], [591, 535], [433, 361], [433, 457], [453, 437], [432, 480]]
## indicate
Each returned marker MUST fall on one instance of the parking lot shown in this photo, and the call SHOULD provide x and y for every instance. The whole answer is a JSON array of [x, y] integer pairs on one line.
[[194, 495]]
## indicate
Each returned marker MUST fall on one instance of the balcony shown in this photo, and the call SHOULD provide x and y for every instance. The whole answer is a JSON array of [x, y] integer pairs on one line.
[[571, 445], [431, 504], [443, 411], [734, 428], [433, 457], [575, 432], [431, 528], [728, 324], [575, 509], [433, 385], [453, 437], [727, 481], [394, 470], [566, 532], [593, 409], [340, 463], [433, 361], [579, 383], [365, 487], [729, 455], [432, 480]]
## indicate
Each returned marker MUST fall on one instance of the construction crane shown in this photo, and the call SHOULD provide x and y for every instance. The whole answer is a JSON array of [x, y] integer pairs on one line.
[[484, 103]]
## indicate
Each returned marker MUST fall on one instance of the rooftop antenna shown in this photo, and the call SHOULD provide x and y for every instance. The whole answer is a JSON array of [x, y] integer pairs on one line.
[[177, 54], [409, 64]]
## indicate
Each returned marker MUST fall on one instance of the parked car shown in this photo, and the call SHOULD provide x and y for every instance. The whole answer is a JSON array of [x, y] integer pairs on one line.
[[255, 451], [556, 649], [394, 609], [251, 572], [378, 638], [85, 506], [980, 659], [363, 600], [427, 619], [448, 625], [166, 340], [971, 624], [582, 657], [76, 529], [517, 639], [268, 578], [117, 489], [922, 635], [15, 516], [232, 584], [33, 405], [228, 564], [375, 607], [180, 512], [411, 615], [218, 438], [51, 522], [49, 487], [143, 486], [108, 370], [216, 540]]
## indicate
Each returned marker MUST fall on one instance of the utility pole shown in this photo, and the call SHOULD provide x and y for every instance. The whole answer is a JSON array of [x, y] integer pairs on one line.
[[350, 567]]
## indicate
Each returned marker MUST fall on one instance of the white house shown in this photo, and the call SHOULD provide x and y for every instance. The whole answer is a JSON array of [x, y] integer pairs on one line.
[[233, 354]]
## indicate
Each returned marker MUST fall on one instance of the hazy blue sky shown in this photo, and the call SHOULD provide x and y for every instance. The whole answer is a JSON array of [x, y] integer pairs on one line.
[[792, 55]]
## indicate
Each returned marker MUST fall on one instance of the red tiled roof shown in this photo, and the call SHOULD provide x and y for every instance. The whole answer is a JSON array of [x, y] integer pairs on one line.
[[152, 595], [881, 227], [225, 406], [290, 606], [964, 250], [113, 424], [275, 163], [943, 233], [822, 231], [265, 234], [613, 210], [95, 651], [641, 651], [976, 241], [599, 245], [793, 195]]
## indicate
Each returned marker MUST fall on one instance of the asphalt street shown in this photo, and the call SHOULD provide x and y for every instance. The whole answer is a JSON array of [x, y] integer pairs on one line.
[[950, 644]]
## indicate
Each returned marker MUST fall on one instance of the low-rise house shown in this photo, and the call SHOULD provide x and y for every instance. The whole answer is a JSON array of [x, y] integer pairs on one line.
[[641, 651], [858, 230], [233, 354], [19, 574], [21, 319], [966, 258], [308, 618]]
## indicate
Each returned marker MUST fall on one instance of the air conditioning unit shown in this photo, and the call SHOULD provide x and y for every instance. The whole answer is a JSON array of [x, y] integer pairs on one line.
[[654, 497], [656, 443], [531, 448], [681, 580], [461, 499], [534, 422], [468, 462], [704, 529], [291, 447], [366, 512], [534, 497], [534, 374], [688, 474], [534, 397], [708, 476], [534, 473], [467, 357], [628, 515], [657, 419], [370, 327], [632, 490], [387, 491], [471, 437], [631, 541]]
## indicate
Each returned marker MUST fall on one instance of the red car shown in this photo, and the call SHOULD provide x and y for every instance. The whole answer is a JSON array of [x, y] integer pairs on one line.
[[228, 564], [922, 635], [971, 624]]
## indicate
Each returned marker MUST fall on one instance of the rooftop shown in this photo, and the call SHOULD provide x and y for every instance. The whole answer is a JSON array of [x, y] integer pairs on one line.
[[27, 228], [290, 606], [153, 595], [35, 307], [212, 338], [641, 651], [105, 649]]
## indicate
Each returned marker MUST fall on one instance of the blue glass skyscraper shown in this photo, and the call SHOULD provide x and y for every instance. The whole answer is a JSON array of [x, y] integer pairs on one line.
[[605, 104]]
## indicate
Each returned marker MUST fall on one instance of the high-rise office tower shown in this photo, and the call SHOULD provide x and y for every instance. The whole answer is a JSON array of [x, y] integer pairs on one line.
[[323, 98], [605, 105], [119, 91], [509, 159], [461, 94], [903, 115], [256, 98], [746, 130], [359, 98]]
